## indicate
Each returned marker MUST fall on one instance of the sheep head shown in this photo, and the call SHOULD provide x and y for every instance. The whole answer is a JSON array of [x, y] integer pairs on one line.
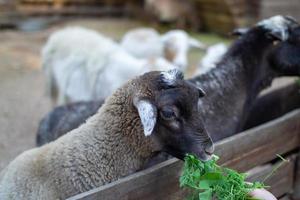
[[168, 109], [284, 57], [176, 45], [277, 27]]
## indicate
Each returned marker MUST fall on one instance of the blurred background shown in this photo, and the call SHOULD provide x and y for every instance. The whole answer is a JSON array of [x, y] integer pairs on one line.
[[25, 26]]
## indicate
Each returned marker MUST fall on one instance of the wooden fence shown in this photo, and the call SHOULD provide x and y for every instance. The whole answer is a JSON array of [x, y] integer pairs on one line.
[[252, 151]]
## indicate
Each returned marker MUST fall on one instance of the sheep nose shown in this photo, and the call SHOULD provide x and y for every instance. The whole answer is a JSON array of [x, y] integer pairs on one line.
[[209, 148]]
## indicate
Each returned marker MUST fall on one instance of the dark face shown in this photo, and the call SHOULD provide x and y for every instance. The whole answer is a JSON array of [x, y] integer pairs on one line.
[[180, 127], [170, 114], [284, 58]]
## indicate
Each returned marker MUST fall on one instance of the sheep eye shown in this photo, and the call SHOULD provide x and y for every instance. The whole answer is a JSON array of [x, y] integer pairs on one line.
[[168, 114]]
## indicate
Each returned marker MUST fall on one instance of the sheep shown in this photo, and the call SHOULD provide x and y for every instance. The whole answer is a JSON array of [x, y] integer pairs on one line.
[[148, 43], [286, 60], [176, 45], [64, 119], [142, 43], [213, 55], [82, 65], [245, 70], [154, 112]]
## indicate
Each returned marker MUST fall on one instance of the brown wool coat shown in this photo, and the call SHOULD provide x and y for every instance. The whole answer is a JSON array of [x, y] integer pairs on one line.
[[110, 145]]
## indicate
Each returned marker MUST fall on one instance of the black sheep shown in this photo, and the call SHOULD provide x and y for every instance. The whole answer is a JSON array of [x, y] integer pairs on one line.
[[64, 119]]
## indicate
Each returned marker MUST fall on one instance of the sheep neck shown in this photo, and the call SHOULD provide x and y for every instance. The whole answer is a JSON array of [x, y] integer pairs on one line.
[[232, 86]]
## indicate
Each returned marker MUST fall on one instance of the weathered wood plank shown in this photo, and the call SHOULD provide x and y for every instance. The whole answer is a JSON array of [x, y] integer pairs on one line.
[[243, 151], [261, 144], [158, 182]]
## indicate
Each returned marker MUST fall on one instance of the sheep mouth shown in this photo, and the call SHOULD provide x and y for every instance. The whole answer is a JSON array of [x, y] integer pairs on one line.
[[201, 155], [204, 156]]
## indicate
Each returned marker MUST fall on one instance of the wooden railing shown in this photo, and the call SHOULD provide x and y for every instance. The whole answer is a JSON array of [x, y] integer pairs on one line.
[[251, 151]]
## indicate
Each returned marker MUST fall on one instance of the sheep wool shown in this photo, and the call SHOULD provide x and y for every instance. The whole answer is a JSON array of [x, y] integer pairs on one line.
[[110, 145], [89, 69]]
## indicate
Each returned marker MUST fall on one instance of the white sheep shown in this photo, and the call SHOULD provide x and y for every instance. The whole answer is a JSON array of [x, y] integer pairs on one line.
[[137, 121], [81, 65], [142, 43], [210, 60], [148, 43]]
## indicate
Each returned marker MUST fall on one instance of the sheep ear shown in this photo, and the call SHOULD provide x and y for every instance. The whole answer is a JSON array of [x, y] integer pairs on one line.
[[148, 114], [278, 27], [196, 44], [201, 92], [277, 35]]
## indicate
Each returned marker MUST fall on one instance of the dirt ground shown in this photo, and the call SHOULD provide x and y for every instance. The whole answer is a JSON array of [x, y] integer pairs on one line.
[[23, 101]]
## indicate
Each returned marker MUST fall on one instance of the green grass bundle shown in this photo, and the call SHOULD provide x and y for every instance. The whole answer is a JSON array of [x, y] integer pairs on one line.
[[207, 180]]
